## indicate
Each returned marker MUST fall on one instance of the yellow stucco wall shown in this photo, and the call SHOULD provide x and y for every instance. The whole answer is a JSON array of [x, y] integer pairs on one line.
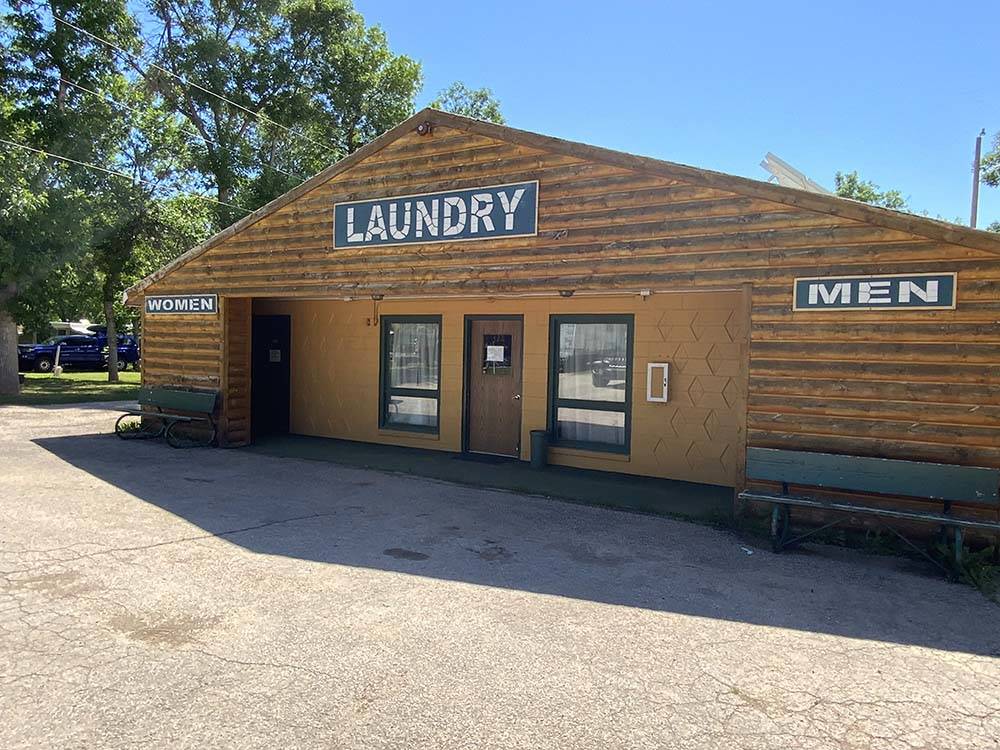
[[696, 436]]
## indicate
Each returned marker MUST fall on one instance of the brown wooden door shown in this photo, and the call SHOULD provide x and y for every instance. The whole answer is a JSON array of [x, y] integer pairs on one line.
[[494, 386]]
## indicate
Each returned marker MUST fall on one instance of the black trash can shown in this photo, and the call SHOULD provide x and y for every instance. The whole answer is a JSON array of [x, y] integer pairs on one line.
[[539, 448]]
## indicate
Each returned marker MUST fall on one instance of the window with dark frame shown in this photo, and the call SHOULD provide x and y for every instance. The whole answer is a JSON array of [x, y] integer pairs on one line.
[[410, 373], [590, 381]]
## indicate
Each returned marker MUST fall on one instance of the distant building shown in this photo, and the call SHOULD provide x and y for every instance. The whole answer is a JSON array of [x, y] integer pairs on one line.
[[57, 328]]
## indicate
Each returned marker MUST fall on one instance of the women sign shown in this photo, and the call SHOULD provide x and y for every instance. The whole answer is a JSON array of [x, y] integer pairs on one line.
[[182, 304]]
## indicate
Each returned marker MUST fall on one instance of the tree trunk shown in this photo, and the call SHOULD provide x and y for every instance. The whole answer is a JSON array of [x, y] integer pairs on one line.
[[110, 284], [9, 382]]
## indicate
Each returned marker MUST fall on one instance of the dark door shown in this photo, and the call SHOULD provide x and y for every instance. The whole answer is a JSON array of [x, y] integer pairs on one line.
[[493, 388], [270, 377]]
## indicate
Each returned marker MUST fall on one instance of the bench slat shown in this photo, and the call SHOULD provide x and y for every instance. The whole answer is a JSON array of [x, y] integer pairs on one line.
[[970, 484], [831, 505], [168, 398], [164, 417]]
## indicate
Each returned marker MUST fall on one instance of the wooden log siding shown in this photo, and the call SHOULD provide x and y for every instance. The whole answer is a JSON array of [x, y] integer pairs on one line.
[[235, 426], [179, 351], [921, 385]]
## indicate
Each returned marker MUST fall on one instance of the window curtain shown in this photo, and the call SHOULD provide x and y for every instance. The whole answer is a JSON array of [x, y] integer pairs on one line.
[[413, 355]]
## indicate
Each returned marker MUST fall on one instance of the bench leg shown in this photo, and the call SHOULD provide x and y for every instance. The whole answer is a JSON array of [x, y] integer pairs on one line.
[[175, 442], [779, 526], [958, 546], [140, 433]]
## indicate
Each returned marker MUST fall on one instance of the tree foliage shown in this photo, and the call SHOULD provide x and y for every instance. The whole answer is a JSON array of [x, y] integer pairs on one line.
[[479, 104], [37, 109], [850, 185], [991, 164], [991, 173], [46, 204], [233, 101], [323, 82]]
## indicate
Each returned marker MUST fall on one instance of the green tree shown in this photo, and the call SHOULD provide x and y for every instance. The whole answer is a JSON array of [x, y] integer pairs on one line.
[[991, 173], [850, 185], [178, 224], [44, 202], [480, 104], [243, 99], [69, 291], [324, 82], [991, 164], [153, 152]]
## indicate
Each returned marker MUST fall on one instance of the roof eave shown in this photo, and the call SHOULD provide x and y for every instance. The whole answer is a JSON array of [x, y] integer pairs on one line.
[[830, 204], [282, 200], [833, 205]]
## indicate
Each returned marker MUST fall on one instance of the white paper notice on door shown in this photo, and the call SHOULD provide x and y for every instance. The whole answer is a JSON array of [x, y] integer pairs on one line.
[[494, 353], [274, 355]]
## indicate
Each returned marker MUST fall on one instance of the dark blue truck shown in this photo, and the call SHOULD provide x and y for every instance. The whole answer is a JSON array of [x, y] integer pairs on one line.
[[76, 350]]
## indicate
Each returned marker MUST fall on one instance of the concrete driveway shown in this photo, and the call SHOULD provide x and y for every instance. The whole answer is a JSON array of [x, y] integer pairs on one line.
[[209, 598]]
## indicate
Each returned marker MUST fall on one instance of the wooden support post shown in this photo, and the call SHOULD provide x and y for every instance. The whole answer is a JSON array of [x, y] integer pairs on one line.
[[739, 506], [779, 526]]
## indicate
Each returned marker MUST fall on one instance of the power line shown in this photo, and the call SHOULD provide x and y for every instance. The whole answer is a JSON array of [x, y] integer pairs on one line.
[[186, 82], [118, 174], [192, 84], [193, 132]]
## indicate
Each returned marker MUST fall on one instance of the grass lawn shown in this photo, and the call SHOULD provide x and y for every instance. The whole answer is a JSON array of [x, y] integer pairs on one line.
[[73, 387]]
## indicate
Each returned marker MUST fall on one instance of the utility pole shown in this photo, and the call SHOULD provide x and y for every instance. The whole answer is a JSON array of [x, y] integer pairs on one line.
[[976, 162]]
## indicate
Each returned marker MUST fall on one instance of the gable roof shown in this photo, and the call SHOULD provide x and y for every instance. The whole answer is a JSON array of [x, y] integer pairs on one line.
[[828, 204]]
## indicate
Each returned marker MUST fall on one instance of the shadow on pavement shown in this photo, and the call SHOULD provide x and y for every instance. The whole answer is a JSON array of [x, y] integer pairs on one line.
[[704, 502], [329, 513]]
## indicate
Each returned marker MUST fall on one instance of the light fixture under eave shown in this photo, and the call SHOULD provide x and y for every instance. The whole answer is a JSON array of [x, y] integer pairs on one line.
[[378, 297], [566, 292]]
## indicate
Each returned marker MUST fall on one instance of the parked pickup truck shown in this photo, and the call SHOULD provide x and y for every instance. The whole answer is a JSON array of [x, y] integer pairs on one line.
[[603, 371], [76, 350]]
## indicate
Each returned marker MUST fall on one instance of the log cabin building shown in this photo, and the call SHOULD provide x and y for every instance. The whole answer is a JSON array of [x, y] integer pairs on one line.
[[455, 284]]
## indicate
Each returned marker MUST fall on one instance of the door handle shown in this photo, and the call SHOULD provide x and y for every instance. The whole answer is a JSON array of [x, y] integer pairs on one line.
[[517, 396]]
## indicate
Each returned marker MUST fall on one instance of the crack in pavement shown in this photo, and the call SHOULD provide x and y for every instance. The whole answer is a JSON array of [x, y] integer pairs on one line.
[[166, 543], [603, 630]]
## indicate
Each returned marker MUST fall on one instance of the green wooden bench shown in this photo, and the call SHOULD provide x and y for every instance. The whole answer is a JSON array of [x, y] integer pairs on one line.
[[197, 405], [943, 483]]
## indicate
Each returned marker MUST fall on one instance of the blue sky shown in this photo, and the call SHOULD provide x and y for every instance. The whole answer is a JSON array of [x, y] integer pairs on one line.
[[895, 90]]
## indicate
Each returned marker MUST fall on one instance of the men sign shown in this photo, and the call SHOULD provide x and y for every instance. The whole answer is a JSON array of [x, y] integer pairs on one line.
[[927, 291], [182, 304], [473, 214]]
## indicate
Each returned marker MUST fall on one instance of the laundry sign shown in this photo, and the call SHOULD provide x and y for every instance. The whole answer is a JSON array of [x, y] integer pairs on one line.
[[182, 304], [474, 214], [928, 291]]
